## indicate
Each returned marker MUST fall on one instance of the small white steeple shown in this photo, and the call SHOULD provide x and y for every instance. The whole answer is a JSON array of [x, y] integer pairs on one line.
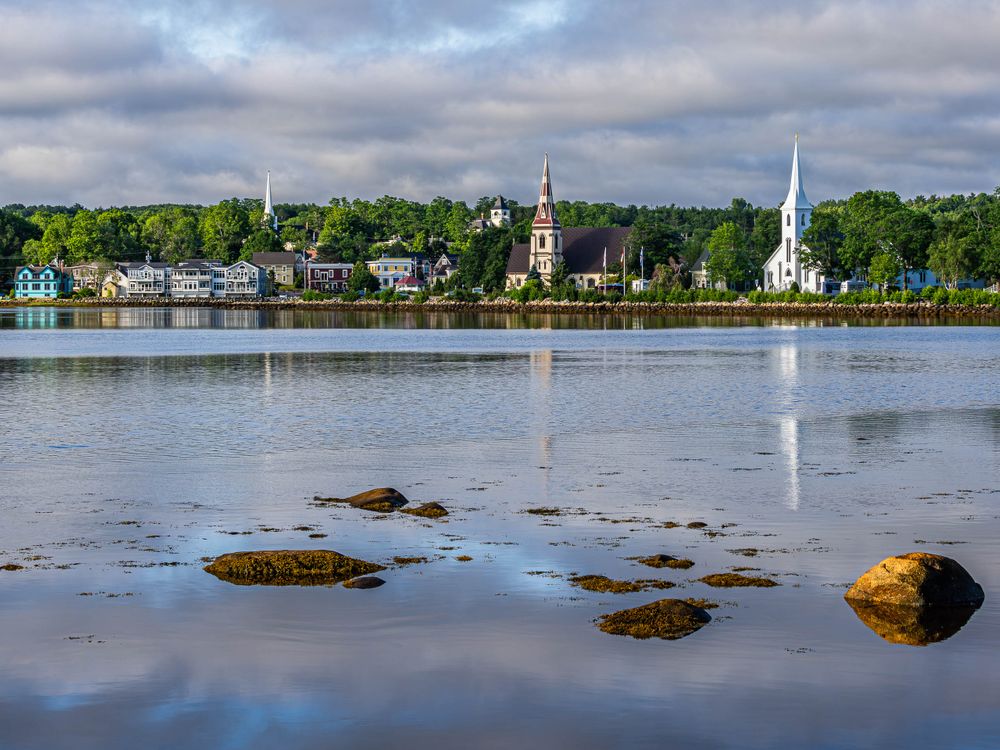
[[269, 206], [796, 194]]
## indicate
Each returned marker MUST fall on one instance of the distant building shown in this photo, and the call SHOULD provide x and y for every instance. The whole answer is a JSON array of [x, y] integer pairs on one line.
[[86, 275], [499, 217], [330, 278], [699, 274], [281, 265], [269, 218], [243, 279], [149, 279], [410, 284], [585, 250], [390, 271], [39, 282], [445, 267], [784, 267], [195, 278]]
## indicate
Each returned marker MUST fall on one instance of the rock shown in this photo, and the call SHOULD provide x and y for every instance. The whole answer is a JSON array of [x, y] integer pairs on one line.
[[11, 566], [665, 561], [733, 580], [286, 567], [917, 579], [606, 585], [427, 510], [697, 525], [911, 626], [364, 582], [381, 500], [669, 619]]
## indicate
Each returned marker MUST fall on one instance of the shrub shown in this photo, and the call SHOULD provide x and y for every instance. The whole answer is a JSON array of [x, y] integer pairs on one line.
[[311, 295]]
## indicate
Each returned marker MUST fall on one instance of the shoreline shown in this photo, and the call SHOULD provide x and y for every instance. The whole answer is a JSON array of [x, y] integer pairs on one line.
[[830, 310]]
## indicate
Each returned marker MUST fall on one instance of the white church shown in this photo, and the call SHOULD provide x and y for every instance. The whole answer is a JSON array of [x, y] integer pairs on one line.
[[784, 267]]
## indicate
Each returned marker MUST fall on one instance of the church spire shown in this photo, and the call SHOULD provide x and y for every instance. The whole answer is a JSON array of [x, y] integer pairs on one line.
[[546, 213], [796, 193], [269, 206]]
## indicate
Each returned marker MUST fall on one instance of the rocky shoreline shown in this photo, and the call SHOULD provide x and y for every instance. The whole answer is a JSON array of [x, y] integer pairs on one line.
[[888, 310]]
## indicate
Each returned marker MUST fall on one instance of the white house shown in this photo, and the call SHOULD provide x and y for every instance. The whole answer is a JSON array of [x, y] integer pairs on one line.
[[244, 279], [784, 267]]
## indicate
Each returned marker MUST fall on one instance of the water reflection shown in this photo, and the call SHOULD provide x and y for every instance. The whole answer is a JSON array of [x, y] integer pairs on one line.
[[912, 626]]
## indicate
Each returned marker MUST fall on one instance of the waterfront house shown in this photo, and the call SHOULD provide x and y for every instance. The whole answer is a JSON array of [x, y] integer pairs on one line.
[[410, 284], [87, 275], [584, 250], [281, 266], [148, 279], [329, 278], [42, 282], [390, 271], [196, 278], [243, 279], [444, 268]]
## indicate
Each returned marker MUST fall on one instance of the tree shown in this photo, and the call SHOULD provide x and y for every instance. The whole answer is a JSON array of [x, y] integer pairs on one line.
[[533, 275], [766, 235], [224, 227], [907, 233], [362, 280], [728, 260], [821, 244], [884, 269], [863, 225], [264, 240], [171, 235]]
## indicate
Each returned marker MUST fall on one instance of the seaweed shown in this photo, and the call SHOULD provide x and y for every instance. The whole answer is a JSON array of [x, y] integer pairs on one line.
[[732, 580], [669, 619], [289, 567]]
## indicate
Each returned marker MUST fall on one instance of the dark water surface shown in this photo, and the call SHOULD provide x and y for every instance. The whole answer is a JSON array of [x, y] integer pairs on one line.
[[133, 440]]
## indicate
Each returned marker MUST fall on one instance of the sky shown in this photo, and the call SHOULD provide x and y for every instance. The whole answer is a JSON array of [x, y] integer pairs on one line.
[[128, 102]]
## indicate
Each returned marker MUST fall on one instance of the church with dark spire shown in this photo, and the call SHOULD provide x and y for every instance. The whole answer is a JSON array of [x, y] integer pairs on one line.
[[584, 250]]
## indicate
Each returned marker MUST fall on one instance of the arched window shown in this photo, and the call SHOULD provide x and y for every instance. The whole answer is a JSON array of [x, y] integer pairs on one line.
[[788, 249], [802, 222], [788, 220], [541, 241]]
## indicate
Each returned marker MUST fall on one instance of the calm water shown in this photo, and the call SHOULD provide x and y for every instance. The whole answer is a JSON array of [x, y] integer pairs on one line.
[[133, 440]]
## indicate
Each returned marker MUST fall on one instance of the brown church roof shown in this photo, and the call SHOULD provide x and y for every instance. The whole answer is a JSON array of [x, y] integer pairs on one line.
[[583, 249]]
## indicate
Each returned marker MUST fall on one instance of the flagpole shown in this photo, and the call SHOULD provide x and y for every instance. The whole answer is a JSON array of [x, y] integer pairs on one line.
[[623, 269], [642, 267], [605, 269]]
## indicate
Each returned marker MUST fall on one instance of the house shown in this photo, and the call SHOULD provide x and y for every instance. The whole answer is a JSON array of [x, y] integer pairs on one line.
[[281, 265], [41, 282], [499, 217], [196, 278], [87, 275], [328, 277], [410, 284], [584, 250], [389, 271], [784, 267], [445, 267], [242, 279], [148, 279]]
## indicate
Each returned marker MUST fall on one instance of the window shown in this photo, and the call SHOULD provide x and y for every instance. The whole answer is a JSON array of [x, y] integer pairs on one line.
[[788, 250], [541, 241], [788, 220], [802, 221]]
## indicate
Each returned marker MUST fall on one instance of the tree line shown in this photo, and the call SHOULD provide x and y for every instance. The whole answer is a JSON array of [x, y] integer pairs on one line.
[[872, 233]]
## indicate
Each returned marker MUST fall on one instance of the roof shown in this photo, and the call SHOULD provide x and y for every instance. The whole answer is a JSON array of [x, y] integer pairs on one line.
[[140, 264], [500, 203], [274, 259], [409, 281], [796, 193], [583, 249], [699, 265]]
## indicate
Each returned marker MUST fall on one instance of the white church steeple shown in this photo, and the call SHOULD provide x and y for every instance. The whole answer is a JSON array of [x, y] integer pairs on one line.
[[269, 206], [796, 194]]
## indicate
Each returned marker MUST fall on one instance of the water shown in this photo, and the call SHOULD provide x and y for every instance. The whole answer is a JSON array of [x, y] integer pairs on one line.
[[135, 438]]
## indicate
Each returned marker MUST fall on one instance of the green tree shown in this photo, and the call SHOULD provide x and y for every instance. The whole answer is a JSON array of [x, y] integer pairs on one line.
[[171, 235], [224, 227], [821, 244], [766, 235], [884, 269], [362, 280], [863, 224], [728, 260], [264, 240], [907, 233], [457, 226]]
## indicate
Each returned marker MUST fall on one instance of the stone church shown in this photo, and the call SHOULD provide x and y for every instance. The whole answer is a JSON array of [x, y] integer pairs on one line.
[[583, 249]]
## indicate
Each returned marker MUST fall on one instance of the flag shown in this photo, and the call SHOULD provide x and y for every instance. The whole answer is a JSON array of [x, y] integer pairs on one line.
[[642, 255], [605, 257]]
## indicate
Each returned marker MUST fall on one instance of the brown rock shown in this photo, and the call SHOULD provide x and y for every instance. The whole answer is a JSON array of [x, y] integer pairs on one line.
[[289, 567], [427, 510], [911, 626], [380, 500], [917, 579], [733, 580], [364, 582], [666, 561], [669, 619]]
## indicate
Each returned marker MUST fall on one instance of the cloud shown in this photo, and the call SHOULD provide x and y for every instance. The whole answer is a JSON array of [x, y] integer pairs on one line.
[[108, 103]]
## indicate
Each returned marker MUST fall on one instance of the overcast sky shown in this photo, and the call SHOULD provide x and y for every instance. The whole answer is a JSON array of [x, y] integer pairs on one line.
[[109, 103]]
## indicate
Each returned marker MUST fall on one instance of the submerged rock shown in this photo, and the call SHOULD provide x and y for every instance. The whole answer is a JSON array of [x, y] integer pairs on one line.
[[427, 510], [665, 561], [364, 582], [917, 579], [606, 585], [733, 580], [380, 500], [11, 566], [911, 626], [287, 567], [669, 619]]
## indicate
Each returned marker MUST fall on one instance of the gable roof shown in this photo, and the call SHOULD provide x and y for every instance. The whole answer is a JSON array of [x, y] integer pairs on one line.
[[583, 249], [274, 259]]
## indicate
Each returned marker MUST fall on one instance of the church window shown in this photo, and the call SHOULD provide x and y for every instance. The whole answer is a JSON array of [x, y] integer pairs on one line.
[[788, 220], [788, 250], [541, 241], [802, 221]]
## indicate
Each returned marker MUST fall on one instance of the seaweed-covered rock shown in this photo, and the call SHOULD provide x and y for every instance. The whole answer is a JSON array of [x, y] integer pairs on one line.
[[666, 561], [917, 579], [427, 510], [911, 626], [11, 566], [289, 567], [605, 585], [733, 580], [380, 500], [669, 619], [364, 582]]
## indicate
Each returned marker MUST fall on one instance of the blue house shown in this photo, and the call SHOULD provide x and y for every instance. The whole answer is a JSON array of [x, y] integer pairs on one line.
[[41, 281]]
